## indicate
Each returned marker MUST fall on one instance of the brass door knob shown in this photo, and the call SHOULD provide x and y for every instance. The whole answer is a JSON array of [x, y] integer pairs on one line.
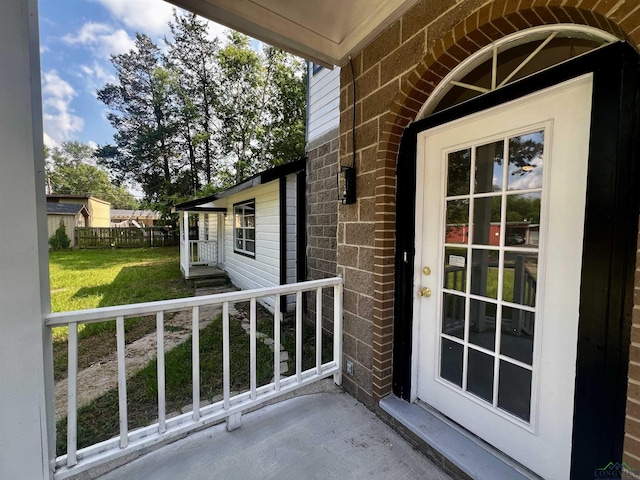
[[424, 292]]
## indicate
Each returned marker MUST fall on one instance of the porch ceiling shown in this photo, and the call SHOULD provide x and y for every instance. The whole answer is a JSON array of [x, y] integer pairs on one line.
[[324, 31]]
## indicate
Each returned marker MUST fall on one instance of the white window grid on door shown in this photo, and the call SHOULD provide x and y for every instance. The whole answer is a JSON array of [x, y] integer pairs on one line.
[[499, 302]]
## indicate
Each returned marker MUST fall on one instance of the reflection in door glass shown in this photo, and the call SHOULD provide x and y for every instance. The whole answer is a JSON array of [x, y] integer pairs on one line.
[[514, 390], [488, 174], [516, 337], [458, 172], [523, 220], [480, 374], [486, 220], [520, 278], [455, 268], [457, 228], [484, 273], [482, 324], [453, 315], [451, 365], [525, 161]]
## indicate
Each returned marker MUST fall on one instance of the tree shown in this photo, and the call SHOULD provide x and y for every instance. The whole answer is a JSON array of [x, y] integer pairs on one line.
[[261, 106], [202, 115], [70, 170], [142, 114], [191, 54]]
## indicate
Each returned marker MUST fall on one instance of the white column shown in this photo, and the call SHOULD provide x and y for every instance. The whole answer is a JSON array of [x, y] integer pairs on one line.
[[26, 377], [185, 226]]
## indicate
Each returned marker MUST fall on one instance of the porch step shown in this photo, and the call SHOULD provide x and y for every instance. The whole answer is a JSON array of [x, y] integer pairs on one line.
[[217, 281], [470, 456]]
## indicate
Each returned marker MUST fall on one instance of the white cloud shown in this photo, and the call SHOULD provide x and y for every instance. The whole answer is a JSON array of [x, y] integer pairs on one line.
[[101, 39], [60, 123], [145, 16], [95, 76]]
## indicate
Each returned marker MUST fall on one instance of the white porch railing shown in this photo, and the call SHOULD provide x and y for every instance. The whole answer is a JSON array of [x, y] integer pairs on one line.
[[230, 407], [203, 252]]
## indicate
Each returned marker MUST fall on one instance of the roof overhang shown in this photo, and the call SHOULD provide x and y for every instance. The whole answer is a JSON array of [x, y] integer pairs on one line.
[[324, 31]]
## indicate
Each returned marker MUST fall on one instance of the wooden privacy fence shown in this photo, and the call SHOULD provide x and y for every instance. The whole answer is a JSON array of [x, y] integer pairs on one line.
[[128, 237]]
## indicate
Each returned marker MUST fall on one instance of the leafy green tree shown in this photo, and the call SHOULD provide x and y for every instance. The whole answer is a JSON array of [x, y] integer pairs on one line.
[[192, 54], [71, 170]]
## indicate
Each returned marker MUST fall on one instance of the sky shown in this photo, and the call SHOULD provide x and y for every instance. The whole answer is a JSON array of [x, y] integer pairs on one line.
[[77, 39]]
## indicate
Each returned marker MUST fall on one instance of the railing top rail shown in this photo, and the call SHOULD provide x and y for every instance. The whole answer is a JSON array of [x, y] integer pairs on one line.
[[149, 308]]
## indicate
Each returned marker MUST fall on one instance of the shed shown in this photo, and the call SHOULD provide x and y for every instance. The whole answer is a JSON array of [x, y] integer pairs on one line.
[[70, 214], [254, 230]]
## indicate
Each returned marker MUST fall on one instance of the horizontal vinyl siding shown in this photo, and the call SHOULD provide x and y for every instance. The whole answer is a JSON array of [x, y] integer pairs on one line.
[[324, 102], [263, 270]]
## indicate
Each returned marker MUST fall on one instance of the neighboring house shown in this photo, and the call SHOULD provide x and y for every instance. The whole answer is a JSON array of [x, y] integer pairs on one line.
[[440, 92], [254, 230], [70, 214], [134, 218], [99, 210]]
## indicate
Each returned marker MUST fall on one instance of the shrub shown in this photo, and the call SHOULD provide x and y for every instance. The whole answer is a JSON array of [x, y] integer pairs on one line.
[[60, 240]]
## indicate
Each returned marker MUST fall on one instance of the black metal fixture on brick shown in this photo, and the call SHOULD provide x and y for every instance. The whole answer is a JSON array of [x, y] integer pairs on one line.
[[347, 174]]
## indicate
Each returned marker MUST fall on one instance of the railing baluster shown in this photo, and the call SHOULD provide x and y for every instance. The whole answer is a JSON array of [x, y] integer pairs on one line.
[[72, 389], [319, 331], [337, 332], [276, 339], [226, 376], [162, 408], [252, 347], [298, 336], [122, 383], [195, 361]]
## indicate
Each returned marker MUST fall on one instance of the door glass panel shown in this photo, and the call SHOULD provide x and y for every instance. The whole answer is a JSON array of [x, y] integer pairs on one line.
[[489, 161], [525, 161], [519, 280], [484, 273], [523, 220], [480, 374], [516, 337], [457, 228], [514, 390], [482, 324], [486, 221], [453, 315], [458, 172], [451, 365], [501, 258], [455, 268]]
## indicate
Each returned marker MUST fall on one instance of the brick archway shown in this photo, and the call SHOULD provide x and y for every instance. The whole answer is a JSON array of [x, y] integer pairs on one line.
[[475, 29]]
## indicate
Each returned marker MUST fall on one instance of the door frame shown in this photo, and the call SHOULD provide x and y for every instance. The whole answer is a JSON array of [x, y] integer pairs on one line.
[[609, 247]]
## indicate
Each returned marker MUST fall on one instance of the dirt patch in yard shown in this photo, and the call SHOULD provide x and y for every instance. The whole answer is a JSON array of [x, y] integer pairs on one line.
[[98, 369]]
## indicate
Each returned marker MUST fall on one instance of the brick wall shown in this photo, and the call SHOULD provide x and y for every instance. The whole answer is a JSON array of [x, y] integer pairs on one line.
[[322, 217], [395, 75]]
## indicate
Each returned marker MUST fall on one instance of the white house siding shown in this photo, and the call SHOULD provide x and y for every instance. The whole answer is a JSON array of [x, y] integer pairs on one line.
[[263, 270], [324, 101]]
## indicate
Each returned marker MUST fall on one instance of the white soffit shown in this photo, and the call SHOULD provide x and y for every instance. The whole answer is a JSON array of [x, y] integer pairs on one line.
[[324, 31]]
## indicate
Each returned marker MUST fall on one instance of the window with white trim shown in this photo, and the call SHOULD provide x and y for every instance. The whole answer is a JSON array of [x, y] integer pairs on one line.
[[244, 228]]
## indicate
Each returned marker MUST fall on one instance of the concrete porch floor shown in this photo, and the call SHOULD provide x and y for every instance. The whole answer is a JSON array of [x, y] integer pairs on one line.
[[319, 436]]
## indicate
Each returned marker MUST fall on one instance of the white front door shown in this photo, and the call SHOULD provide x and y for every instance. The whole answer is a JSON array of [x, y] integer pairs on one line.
[[500, 207]]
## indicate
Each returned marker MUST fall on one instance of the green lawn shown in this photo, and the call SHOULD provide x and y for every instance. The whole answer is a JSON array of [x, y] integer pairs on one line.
[[103, 277]]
